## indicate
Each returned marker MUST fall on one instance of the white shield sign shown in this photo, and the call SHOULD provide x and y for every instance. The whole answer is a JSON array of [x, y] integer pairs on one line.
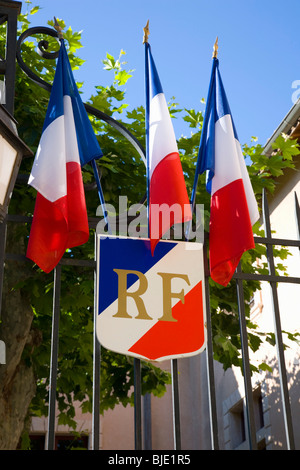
[[150, 307]]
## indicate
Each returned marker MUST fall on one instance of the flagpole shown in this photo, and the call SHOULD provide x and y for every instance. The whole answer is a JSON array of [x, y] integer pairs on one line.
[[58, 28], [100, 194], [147, 93], [205, 123]]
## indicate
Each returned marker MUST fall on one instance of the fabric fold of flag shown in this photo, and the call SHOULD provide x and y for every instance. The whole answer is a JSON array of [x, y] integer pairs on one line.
[[233, 205], [168, 200], [67, 143]]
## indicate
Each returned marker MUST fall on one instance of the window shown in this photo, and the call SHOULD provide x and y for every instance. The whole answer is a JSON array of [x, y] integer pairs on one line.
[[235, 421], [62, 442], [69, 442], [37, 442], [237, 425], [258, 409]]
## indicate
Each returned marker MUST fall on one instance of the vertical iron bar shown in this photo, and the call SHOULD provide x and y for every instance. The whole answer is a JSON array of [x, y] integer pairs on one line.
[[96, 366], [297, 208], [137, 405], [278, 332], [147, 422], [54, 358], [3, 230], [96, 395], [246, 364], [210, 361], [175, 400], [96, 345], [10, 59]]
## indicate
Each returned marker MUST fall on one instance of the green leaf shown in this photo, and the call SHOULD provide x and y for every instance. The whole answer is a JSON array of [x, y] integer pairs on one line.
[[34, 10], [287, 147], [265, 367], [122, 77], [110, 63], [194, 118]]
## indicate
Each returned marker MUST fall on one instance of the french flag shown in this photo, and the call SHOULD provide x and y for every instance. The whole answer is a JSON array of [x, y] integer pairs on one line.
[[67, 143], [168, 201], [233, 205]]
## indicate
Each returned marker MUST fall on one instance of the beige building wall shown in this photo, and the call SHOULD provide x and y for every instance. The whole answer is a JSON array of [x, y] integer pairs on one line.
[[284, 222], [194, 407]]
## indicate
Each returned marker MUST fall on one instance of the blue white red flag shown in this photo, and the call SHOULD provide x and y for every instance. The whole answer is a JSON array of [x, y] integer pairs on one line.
[[233, 206], [67, 142], [166, 185]]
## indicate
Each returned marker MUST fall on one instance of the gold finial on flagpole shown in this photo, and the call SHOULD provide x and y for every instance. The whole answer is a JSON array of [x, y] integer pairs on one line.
[[58, 28], [215, 50], [146, 33]]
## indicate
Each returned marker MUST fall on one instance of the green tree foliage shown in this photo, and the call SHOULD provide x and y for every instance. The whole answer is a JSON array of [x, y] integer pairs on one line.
[[122, 173]]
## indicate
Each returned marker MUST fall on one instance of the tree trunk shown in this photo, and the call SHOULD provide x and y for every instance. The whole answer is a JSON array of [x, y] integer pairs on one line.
[[17, 381]]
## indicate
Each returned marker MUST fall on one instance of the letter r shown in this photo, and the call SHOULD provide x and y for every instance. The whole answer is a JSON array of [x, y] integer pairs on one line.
[[136, 296]]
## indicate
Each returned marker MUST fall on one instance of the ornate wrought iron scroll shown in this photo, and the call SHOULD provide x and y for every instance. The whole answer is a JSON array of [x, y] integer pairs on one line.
[[42, 50]]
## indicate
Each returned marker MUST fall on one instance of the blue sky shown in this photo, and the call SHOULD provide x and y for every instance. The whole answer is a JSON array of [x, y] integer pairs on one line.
[[259, 51]]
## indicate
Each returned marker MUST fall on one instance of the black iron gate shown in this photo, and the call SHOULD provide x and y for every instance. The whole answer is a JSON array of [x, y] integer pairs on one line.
[[239, 277]]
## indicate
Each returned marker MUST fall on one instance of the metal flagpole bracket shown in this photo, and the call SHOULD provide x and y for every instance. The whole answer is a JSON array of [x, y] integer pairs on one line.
[[42, 51], [42, 45]]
